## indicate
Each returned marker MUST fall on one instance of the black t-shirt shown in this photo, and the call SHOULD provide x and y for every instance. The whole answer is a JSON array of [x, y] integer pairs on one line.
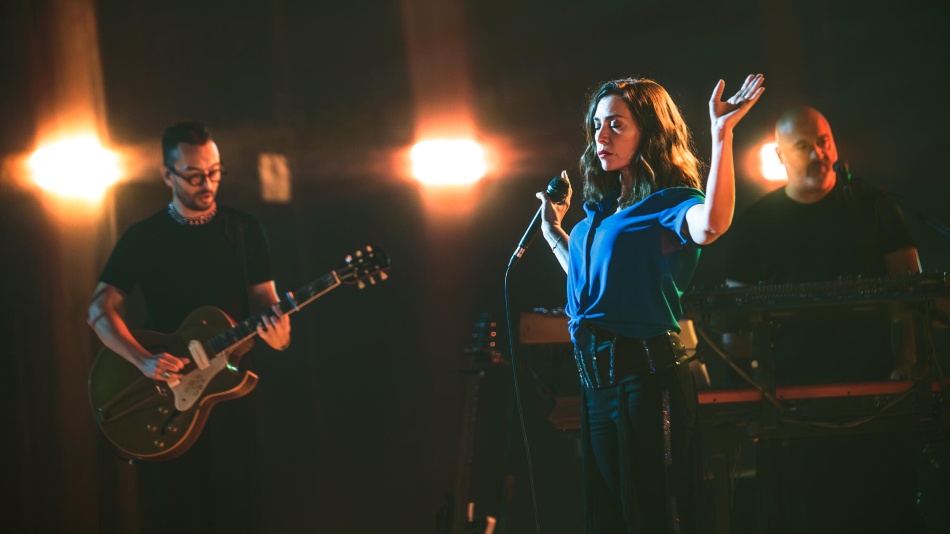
[[846, 234], [180, 268]]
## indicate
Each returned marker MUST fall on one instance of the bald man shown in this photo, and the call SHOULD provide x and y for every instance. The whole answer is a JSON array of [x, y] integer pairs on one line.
[[813, 230], [806, 148], [816, 229], [878, 243]]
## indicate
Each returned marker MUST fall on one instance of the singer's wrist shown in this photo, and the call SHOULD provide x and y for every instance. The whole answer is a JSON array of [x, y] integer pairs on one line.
[[554, 234], [721, 132]]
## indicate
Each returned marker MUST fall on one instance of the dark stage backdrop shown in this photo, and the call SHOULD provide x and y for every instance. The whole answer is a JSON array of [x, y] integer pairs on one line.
[[363, 414]]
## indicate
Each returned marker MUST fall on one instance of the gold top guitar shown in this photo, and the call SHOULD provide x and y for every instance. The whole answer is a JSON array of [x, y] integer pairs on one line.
[[154, 420]]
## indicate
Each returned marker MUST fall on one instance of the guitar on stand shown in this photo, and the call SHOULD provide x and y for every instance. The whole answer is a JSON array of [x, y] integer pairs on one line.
[[480, 353], [155, 420]]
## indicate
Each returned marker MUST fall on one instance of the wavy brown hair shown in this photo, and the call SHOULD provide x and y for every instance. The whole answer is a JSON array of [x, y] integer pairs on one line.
[[666, 155]]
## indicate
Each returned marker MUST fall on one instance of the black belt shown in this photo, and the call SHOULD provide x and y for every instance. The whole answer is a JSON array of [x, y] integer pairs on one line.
[[610, 357]]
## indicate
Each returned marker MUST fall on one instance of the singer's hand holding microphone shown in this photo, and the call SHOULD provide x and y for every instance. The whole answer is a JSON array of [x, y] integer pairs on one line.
[[555, 202]]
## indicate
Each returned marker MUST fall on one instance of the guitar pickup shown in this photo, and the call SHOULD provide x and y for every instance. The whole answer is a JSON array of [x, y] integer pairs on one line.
[[198, 354]]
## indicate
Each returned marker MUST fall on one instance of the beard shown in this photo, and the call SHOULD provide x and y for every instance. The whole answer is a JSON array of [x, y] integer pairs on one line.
[[193, 202]]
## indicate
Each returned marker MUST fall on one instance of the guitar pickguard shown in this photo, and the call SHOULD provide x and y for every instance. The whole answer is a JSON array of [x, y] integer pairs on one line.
[[192, 385]]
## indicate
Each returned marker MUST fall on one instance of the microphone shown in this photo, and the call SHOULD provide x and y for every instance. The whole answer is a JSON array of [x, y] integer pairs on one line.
[[557, 191], [843, 171]]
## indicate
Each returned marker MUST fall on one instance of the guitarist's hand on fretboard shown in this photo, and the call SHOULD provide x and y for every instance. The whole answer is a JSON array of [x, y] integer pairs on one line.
[[275, 328]]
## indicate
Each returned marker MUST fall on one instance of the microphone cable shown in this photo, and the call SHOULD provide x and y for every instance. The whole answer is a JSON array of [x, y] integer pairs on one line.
[[557, 189], [517, 402]]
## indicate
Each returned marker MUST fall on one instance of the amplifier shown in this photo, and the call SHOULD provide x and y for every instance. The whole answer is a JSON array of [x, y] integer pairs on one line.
[[543, 327], [540, 327]]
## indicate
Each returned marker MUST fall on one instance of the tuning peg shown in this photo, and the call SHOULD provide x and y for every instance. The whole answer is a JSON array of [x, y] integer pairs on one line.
[[372, 281], [383, 276], [360, 284], [359, 253], [348, 259]]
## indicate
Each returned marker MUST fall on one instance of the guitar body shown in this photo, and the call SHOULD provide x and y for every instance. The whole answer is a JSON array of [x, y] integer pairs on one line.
[[139, 416], [157, 420]]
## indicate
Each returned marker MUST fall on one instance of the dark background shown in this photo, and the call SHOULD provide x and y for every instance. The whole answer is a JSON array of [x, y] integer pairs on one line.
[[363, 418]]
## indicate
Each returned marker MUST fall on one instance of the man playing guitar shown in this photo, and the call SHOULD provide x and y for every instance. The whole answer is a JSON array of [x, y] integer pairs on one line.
[[191, 254]]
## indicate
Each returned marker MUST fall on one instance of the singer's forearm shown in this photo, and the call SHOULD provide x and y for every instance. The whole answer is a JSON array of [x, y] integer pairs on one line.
[[708, 221], [557, 239], [721, 186]]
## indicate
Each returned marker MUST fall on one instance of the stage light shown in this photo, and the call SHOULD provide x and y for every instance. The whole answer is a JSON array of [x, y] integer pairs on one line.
[[772, 168], [448, 161], [76, 167]]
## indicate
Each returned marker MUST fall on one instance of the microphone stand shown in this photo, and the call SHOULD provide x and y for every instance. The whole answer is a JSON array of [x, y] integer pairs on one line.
[[941, 228], [845, 173]]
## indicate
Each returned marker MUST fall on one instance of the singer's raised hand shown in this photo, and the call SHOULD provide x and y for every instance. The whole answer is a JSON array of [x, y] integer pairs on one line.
[[725, 115], [552, 212], [551, 215]]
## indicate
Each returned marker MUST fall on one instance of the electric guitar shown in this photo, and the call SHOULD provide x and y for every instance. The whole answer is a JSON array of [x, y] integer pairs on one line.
[[156, 420]]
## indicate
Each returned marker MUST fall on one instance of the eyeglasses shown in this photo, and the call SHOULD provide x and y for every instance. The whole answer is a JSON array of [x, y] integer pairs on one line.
[[198, 178]]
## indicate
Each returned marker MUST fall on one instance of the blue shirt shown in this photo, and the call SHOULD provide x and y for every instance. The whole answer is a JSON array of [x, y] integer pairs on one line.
[[628, 269]]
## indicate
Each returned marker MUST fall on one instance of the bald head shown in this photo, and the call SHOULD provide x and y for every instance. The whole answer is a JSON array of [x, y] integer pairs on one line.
[[807, 149], [798, 117]]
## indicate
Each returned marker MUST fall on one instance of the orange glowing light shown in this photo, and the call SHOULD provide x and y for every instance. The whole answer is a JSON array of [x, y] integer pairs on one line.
[[75, 167], [448, 161], [772, 168]]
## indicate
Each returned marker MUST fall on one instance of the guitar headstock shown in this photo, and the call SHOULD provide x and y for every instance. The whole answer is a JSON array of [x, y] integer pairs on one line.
[[364, 265]]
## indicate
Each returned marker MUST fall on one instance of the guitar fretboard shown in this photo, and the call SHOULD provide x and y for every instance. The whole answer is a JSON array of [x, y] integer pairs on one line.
[[290, 303]]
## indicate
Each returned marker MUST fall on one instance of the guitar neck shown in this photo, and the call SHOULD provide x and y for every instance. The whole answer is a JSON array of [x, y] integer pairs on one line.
[[290, 303], [305, 295]]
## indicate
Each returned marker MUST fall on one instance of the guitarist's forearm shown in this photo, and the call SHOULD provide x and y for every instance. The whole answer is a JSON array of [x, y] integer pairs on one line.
[[105, 320], [115, 335]]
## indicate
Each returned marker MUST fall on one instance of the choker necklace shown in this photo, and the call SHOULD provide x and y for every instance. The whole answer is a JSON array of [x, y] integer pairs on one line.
[[190, 221]]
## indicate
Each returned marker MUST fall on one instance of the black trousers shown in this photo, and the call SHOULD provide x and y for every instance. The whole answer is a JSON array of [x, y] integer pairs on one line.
[[641, 464], [213, 487]]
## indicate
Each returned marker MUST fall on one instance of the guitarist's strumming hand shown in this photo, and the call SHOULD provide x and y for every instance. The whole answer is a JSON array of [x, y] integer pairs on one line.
[[105, 319], [163, 366], [275, 329]]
